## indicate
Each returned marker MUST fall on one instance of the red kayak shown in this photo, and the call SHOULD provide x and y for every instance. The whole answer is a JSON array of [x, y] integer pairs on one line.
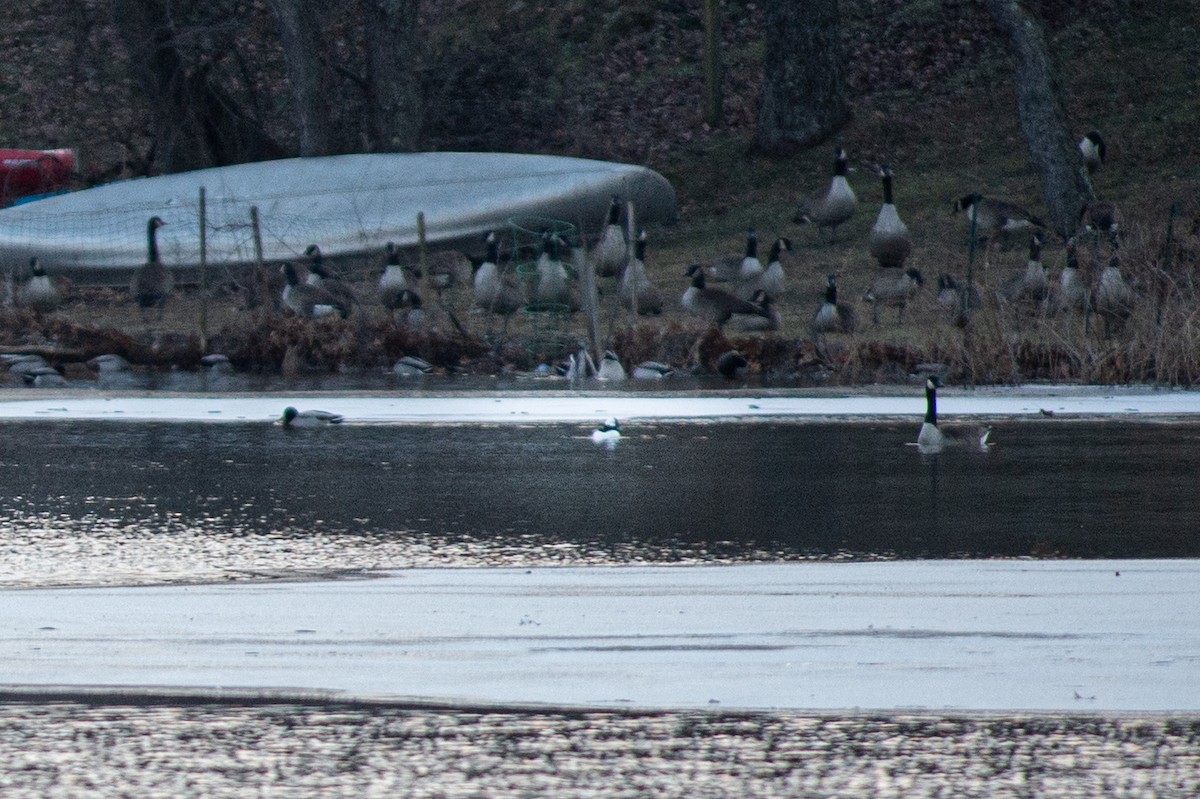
[[26, 172]]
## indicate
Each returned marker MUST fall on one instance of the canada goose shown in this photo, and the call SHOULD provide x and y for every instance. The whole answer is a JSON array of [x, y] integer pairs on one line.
[[152, 282], [731, 364], [611, 250], [553, 286], [412, 314], [652, 370], [832, 316], [1033, 284], [294, 418], [715, 305], [833, 207], [109, 363], [772, 280], [1073, 294], [412, 366], [1112, 298], [319, 276], [610, 367], [737, 268], [1092, 148], [635, 287], [1099, 216], [39, 293], [933, 438], [996, 218], [309, 302], [893, 287], [396, 278], [492, 291], [890, 242], [956, 300], [608, 433], [765, 319]]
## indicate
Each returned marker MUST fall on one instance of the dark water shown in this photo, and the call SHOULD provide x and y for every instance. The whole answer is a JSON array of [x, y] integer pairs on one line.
[[666, 492]]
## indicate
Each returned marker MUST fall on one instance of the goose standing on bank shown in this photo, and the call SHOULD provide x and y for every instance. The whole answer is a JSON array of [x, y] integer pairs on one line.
[[611, 250], [996, 218], [957, 300], [152, 282], [320, 277], [893, 287], [308, 302], [738, 268], [715, 305], [766, 318], [1112, 297], [833, 207], [396, 278], [492, 291], [39, 293], [933, 437], [635, 289], [1073, 294], [1032, 285], [1093, 151], [832, 316], [553, 287], [890, 242], [773, 280]]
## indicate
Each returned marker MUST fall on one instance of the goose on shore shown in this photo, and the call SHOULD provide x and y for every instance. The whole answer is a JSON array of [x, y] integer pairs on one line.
[[738, 268], [611, 252], [1032, 285], [715, 305], [830, 208], [152, 283], [636, 290], [895, 288], [832, 316], [39, 293], [553, 286], [304, 300], [772, 280], [995, 218], [1092, 150], [1112, 297], [933, 437], [890, 242], [492, 290], [320, 277], [396, 278]]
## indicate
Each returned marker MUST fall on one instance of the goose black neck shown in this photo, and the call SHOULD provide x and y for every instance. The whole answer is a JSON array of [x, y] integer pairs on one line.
[[776, 249], [614, 212], [493, 252], [698, 279], [831, 294], [152, 241], [751, 246], [887, 189], [839, 165], [1035, 248], [930, 405], [639, 249]]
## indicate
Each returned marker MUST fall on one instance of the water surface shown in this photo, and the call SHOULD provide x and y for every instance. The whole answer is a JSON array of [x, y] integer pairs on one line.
[[257, 497]]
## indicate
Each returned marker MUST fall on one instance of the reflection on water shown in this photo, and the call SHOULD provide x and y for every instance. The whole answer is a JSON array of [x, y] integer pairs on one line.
[[225, 498]]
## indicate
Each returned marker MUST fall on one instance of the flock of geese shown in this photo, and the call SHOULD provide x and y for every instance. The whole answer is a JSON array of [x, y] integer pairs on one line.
[[738, 293]]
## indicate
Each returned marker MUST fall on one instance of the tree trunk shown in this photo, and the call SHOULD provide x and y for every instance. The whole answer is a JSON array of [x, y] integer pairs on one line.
[[197, 124], [1065, 183], [300, 35], [803, 96], [393, 78]]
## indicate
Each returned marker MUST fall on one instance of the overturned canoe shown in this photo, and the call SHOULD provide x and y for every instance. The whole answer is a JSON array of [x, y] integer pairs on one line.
[[350, 205]]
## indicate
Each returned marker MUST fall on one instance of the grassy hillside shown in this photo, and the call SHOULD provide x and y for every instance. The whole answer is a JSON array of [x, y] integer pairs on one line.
[[931, 91]]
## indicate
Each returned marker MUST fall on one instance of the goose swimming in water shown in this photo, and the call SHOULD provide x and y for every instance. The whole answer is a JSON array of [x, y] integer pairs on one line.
[[933, 437]]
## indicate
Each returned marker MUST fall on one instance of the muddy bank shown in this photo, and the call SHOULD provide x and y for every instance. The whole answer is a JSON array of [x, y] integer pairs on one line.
[[66, 749]]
